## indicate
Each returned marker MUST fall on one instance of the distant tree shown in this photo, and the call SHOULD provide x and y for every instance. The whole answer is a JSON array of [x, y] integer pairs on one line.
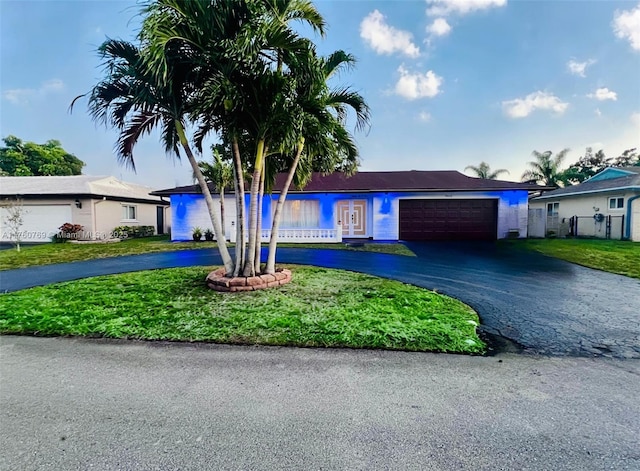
[[586, 167], [545, 169], [484, 171], [18, 158], [590, 164], [629, 158]]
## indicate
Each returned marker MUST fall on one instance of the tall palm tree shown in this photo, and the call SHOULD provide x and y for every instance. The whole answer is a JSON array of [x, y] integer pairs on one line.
[[545, 169], [322, 134], [132, 99], [484, 171], [248, 61]]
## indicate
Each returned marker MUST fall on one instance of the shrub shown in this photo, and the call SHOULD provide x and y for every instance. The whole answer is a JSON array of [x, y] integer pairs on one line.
[[209, 235], [126, 232], [66, 232], [197, 233]]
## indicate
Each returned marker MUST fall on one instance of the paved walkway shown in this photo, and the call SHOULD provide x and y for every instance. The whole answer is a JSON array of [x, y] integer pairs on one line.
[[71, 404], [546, 305]]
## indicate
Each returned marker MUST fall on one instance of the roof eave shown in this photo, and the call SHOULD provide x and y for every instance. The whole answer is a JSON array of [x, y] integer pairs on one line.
[[577, 193]]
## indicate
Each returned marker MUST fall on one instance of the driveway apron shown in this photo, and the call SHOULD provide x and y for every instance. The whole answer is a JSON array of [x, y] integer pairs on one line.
[[546, 305]]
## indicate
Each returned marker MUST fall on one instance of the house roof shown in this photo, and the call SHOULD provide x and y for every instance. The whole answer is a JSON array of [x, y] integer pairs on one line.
[[74, 186], [628, 182], [414, 180]]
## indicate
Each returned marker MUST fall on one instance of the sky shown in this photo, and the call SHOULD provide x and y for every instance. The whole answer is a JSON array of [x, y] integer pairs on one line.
[[450, 83]]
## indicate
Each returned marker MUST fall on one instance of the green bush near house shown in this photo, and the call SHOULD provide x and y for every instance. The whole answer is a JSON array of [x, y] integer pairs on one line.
[[134, 232]]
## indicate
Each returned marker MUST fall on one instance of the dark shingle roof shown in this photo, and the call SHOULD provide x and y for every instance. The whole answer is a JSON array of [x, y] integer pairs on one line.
[[630, 181], [439, 180]]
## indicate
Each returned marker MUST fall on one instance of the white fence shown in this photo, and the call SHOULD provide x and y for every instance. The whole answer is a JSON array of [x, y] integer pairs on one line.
[[305, 235]]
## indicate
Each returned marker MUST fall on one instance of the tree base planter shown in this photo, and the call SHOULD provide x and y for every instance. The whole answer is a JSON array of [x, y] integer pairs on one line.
[[218, 282]]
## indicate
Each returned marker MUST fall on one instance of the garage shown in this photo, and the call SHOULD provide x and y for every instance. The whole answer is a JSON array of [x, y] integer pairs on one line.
[[39, 222], [448, 219]]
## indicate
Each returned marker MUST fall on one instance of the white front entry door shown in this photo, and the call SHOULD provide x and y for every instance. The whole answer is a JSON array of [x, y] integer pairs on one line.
[[352, 214]]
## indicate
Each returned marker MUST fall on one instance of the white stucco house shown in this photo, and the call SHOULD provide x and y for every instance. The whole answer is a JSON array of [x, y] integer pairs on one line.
[[607, 206], [98, 203], [403, 205]]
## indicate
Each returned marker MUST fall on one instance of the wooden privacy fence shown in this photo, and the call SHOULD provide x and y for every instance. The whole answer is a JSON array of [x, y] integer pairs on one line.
[[598, 225]]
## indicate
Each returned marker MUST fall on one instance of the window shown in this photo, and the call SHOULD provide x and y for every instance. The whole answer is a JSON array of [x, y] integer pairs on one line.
[[552, 209], [616, 203], [303, 214], [129, 213]]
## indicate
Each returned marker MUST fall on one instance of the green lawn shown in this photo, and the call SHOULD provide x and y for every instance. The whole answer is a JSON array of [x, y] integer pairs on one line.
[[46, 254], [319, 308], [614, 256]]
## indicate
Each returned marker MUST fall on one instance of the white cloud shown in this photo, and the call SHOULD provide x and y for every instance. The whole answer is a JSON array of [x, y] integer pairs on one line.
[[385, 39], [414, 86], [598, 112], [20, 96], [578, 68], [635, 119], [445, 7], [626, 25], [523, 107], [424, 116], [439, 27], [604, 93]]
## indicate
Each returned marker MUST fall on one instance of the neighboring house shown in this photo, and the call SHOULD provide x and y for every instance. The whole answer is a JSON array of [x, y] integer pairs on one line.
[[411, 205], [607, 205], [99, 204]]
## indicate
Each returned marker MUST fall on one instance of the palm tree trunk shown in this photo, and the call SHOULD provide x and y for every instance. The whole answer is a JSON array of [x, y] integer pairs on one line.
[[249, 264], [222, 243], [238, 184], [260, 203], [275, 226], [222, 212]]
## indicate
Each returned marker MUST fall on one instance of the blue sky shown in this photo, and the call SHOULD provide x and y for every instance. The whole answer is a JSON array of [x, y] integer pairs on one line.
[[450, 82]]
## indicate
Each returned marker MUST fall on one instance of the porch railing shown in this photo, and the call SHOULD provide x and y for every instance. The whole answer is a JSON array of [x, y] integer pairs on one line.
[[305, 235]]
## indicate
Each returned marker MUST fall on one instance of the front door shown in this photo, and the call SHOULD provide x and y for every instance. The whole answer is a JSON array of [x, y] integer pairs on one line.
[[352, 214]]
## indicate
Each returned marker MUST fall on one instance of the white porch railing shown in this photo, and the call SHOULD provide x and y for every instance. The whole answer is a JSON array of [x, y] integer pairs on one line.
[[305, 235]]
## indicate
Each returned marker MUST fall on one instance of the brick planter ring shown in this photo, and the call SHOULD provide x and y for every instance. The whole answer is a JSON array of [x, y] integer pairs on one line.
[[218, 282]]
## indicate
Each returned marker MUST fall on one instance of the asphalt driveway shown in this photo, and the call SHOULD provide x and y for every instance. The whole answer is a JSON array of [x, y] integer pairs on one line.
[[545, 305]]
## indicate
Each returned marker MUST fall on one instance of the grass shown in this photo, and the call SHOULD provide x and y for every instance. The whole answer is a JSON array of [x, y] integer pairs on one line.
[[319, 308], [46, 254], [615, 256]]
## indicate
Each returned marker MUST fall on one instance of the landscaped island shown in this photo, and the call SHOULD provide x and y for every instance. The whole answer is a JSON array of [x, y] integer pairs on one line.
[[321, 308]]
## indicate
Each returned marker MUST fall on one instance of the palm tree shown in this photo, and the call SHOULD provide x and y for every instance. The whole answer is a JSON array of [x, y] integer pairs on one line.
[[248, 62], [322, 135], [220, 173], [484, 171], [545, 169], [132, 99]]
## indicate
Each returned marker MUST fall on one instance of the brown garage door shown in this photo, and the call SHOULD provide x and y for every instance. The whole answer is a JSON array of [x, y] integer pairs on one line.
[[450, 219]]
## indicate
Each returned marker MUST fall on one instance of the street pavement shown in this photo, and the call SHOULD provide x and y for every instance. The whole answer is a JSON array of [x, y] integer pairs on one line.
[[73, 404]]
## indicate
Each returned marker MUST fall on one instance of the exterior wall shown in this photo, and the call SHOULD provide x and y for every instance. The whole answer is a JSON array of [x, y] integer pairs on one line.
[[97, 217], [586, 206], [512, 211], [635, 220], [189, 211], [108, 215]]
